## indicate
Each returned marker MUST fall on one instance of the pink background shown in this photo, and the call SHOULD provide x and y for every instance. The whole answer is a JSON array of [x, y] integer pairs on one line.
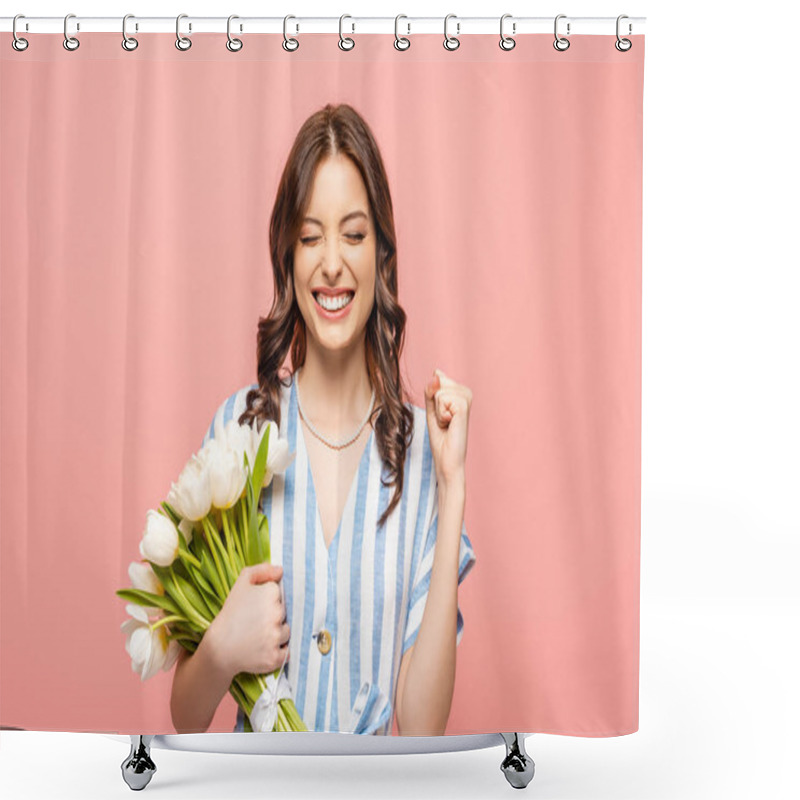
[[136, 194]]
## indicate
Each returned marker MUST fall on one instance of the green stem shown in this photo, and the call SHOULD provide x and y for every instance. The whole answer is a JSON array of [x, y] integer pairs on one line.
[[187, 554], [212, 540], [197, 617], [283, 722], [239, 543], [244, 529], [182, 637], [231, 539], [247, 688], [238, 694], [165, 620], [228, 542], [225, 554]]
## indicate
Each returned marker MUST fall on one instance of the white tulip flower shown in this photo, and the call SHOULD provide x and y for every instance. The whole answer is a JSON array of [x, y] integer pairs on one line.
[[226, 473], [171, 656], [147, 648], [278, 456], [143, 578], [186, 527], [160, 541], [247, 439], [237, 438], [191, 495]]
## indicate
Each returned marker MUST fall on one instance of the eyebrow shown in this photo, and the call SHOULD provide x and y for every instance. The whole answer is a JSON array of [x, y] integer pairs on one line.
[[347, 217]]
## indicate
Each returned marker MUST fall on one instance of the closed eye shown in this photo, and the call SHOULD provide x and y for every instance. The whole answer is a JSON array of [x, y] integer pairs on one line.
[[356, 237]]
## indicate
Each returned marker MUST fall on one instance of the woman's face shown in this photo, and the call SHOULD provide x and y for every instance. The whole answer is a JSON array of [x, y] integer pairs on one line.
[[334, 257]]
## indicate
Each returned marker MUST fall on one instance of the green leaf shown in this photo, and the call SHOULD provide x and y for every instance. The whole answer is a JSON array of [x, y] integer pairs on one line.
[[253, 544], [186, 547], [257, 552], [210, 572], [187, 642], [242, 520], [207, 592], [201, 582], [234, 536], [260, 467], [219, 555], [194, 597], [163, 574], [184, 608], [171, 513], [183, 543], [149, 599], [263, 535], [187, 558]]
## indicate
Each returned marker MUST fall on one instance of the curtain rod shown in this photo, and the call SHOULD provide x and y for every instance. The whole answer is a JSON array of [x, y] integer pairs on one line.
[[350, 24]]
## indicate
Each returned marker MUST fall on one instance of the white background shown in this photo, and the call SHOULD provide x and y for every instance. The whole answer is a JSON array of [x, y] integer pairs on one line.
[[719, 691]]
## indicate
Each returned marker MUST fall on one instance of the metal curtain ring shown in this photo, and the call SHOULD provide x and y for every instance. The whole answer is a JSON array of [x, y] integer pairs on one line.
[[400, 42], [289, 43], [560, 42], [623, 45], [506, 42], [451, 42], [70, 42], [233, 44], [128, 42], [345, 42], [17, 42], [182, 42]]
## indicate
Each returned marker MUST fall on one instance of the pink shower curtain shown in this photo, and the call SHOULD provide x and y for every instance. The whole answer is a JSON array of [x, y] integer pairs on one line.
[[137, 189]]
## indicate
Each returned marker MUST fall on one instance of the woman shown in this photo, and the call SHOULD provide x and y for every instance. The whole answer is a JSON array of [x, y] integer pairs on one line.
[[370, 622]]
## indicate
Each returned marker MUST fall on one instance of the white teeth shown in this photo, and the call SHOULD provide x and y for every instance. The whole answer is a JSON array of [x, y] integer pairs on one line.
[[333, 303]]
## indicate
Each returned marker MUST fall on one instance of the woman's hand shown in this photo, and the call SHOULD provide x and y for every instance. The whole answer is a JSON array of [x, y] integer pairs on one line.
[[249, 632], [447, 404]]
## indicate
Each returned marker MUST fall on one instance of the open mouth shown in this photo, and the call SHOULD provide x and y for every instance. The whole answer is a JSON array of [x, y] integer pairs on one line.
[[334, 304]]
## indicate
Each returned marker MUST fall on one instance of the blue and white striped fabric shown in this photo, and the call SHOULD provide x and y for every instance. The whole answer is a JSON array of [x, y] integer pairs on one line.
[[368, 590]]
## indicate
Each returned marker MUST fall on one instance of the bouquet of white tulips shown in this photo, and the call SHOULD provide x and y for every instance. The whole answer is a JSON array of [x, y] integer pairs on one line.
[[211, 526]]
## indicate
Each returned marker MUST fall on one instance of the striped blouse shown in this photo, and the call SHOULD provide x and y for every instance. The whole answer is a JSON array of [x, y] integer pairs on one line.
[[353, 608]]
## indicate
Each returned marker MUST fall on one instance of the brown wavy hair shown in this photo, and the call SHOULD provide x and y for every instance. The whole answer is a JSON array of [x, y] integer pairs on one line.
[[336, 129]]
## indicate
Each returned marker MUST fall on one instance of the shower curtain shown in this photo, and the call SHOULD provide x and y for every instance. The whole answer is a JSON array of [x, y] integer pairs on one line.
[[166, 225]]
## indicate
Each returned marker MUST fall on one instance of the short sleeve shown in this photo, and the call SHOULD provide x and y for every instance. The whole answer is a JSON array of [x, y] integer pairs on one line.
[[422, 577], [230, 408]]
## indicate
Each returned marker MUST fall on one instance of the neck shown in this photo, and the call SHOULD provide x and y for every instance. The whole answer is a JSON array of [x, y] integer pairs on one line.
[[335, 390]]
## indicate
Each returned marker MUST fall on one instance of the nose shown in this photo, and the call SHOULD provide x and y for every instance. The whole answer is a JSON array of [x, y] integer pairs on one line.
[[331, 259]]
